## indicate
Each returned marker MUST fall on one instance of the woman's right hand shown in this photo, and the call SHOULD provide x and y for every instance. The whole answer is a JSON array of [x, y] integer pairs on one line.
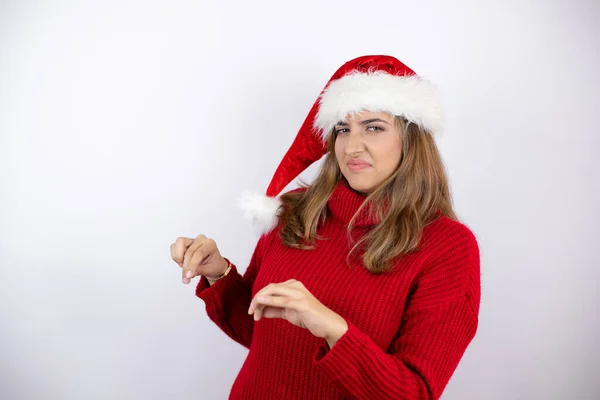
[[198, 256]]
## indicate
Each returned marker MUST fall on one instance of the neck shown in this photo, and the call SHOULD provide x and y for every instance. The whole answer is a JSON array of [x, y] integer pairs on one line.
[[345, 202]]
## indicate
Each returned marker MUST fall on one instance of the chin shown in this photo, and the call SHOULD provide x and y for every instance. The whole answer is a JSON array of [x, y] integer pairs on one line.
[[360, 185]]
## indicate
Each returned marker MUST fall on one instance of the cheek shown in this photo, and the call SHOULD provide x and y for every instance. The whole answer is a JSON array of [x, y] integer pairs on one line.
[[387, 153], [339, 152]]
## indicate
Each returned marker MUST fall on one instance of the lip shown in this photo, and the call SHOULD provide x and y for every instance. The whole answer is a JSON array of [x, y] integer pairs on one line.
[[356, 165]]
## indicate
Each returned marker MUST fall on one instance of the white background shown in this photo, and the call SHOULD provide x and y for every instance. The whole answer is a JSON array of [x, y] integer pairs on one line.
[[125, 124]]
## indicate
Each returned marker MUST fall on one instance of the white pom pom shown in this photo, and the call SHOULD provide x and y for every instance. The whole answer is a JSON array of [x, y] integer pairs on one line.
[[261, 209]]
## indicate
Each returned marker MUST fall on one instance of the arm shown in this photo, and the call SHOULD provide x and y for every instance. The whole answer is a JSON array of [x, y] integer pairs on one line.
[[228, 299], [439, 322]]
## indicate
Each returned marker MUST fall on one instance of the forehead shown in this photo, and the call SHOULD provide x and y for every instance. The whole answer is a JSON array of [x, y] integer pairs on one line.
[[362, 115]]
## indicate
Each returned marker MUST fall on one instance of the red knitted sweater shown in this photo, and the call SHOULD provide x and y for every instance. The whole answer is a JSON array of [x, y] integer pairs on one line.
[[407, 329]]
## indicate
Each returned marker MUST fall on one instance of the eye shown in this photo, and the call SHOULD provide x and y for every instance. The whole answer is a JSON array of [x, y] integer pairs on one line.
[[374, 128], [341, 130]]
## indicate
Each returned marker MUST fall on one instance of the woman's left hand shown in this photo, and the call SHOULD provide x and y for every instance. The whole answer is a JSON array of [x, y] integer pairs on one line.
[[291, 301]]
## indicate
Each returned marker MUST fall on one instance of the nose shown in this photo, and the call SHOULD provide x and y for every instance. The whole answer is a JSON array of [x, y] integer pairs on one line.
[[354, 143]]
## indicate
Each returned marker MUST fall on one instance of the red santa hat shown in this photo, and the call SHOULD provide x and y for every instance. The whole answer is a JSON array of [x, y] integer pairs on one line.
[[377, 83]]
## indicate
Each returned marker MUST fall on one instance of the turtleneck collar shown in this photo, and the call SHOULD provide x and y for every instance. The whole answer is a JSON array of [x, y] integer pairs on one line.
[[344, 203]]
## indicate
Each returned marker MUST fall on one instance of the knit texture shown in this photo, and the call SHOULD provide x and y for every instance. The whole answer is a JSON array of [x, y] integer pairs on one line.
[[408, 328]]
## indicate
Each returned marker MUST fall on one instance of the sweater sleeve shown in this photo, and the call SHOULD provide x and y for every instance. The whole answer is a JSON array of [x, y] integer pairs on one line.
[[439, 321], [228, 299]]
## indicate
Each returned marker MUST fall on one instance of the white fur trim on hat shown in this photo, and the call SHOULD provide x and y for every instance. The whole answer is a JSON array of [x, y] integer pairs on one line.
[[260, 208], [409, 96]]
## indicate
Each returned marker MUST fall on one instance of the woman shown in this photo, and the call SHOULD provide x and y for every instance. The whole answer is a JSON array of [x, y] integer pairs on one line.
[[364, 284]]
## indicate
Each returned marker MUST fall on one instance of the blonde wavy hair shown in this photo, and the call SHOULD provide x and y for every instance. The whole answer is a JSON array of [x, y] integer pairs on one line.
[[414, 195]]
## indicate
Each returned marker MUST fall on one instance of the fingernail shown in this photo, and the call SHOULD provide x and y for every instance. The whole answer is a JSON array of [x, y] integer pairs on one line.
[[256, 317], [188, 274], [185, 280]]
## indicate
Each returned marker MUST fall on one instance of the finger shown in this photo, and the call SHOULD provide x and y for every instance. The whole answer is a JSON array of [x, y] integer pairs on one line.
[[279, 289], [173, 254], [275, 301], [189, 270], [273, 312], [186, 272], [258, 313], [274, 289], [200, 255], [283, 302], [293, 283], [179, 247]]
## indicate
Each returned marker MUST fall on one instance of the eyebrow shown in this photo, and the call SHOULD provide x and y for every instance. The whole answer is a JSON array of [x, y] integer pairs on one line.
[[365, 122]]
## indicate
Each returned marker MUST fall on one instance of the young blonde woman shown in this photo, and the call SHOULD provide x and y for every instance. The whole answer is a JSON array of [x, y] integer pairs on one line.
[[363, 284]]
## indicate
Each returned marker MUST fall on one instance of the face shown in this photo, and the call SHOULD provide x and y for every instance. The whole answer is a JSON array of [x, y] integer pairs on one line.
[[368, 148]]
